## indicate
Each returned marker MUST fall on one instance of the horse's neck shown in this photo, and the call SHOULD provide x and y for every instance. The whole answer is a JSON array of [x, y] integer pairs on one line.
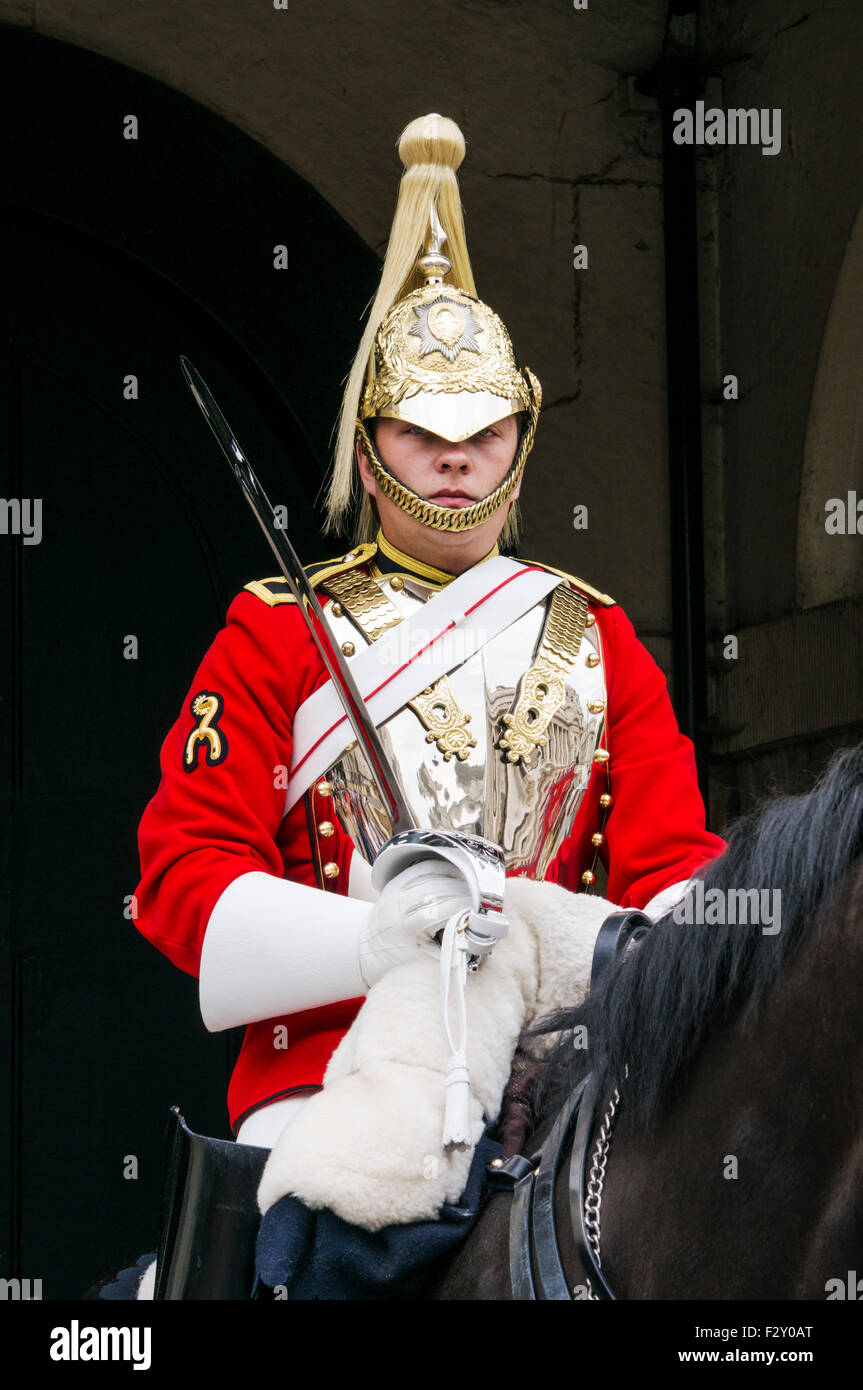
[[747, 1189], [748, 1186]]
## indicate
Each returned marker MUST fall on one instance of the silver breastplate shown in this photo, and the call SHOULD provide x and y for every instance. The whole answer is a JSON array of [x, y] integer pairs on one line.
[[526, 808]]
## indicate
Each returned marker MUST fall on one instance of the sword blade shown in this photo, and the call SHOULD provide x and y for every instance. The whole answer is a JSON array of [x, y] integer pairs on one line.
[[312, 613]]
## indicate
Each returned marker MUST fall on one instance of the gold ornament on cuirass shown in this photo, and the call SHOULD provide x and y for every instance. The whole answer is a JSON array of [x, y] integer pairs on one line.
[[433, 354], [542, 689]]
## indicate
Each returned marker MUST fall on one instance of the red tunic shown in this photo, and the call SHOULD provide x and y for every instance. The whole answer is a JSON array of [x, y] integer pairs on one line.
[[219, 812]]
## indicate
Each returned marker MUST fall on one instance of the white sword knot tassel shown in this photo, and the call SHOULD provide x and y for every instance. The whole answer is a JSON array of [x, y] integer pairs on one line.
[[470, 934], [454, 951], [463, 947]]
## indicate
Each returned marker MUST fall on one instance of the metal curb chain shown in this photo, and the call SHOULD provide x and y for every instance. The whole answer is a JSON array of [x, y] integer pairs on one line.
[[596, 1183]]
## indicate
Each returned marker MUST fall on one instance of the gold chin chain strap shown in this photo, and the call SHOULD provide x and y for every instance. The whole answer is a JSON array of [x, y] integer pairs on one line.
[[542, 690], [436, 706]]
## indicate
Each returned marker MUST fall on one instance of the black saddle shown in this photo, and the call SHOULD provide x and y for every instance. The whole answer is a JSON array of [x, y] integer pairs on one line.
[[209, 1215]]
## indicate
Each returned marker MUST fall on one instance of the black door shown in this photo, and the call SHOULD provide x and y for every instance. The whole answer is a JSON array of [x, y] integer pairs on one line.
[[112, 599]]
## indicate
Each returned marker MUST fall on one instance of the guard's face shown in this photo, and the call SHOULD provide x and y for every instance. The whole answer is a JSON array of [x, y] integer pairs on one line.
[[452, 475]]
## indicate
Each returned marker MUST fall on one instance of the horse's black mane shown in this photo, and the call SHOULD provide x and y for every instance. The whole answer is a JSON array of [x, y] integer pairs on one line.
[[657, 1004]]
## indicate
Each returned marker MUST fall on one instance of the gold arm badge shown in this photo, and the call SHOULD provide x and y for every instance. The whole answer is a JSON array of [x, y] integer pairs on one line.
[[207, 708]]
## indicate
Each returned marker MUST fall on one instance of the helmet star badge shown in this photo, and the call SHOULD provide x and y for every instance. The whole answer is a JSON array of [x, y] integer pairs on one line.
[[446, 327]]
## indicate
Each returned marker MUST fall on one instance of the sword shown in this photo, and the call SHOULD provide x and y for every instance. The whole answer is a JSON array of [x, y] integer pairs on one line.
[[313, 615], [468, 935]]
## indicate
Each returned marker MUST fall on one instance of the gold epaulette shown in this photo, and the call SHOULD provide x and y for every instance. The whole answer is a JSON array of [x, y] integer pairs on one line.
[[276, 590], [605, 599]]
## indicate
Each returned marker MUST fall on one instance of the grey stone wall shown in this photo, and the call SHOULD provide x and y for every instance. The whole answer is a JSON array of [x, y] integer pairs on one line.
[[562, 151], [790, 274]]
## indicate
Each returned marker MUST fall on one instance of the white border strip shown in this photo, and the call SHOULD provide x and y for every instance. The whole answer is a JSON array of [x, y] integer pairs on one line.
[[443, 634]]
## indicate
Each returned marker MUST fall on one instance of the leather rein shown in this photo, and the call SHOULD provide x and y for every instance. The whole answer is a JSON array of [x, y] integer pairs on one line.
[[532, 1181]]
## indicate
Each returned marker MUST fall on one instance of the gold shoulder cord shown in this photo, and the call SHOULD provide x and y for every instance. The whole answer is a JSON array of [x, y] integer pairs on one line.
[[543, 688], [275, 590], [436, 707]]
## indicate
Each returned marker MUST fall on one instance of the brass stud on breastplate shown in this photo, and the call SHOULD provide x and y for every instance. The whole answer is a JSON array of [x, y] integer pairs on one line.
[[397, 583], [592, 659], [348, 649], [337, 610], [596, 706]]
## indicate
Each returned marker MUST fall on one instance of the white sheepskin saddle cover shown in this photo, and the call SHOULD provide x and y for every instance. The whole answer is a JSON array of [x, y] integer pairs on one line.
[[368, 1146]]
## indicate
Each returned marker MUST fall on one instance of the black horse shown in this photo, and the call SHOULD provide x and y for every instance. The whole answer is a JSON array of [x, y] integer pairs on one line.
[[728, 1166], [736, 1050]]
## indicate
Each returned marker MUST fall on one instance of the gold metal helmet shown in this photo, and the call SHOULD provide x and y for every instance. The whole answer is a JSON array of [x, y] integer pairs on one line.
[[432, 353]]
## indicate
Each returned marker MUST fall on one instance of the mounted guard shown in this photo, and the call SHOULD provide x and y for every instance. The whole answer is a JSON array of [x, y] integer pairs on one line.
[[523, 723]]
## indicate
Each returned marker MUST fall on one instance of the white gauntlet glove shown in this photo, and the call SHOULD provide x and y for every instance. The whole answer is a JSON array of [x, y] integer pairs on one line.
[[411, 909], [384, 1086]]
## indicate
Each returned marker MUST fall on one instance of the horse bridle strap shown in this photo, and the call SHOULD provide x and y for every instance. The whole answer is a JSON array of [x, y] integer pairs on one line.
[[532, 1181], [532, 1220]]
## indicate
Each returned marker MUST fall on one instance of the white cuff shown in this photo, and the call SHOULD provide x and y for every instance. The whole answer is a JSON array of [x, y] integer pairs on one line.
[[360, 879], [666, 899], [274, 947]]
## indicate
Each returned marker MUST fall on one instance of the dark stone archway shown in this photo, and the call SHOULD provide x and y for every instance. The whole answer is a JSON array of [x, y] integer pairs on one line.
[[120, 255]]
